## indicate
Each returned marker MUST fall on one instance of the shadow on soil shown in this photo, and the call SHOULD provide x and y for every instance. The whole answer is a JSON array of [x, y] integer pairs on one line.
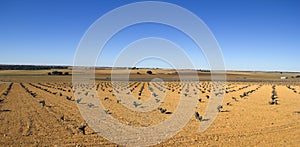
[[5, 110]]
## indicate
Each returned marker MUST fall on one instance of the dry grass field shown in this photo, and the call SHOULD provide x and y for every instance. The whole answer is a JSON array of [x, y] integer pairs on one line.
[[40, 110]]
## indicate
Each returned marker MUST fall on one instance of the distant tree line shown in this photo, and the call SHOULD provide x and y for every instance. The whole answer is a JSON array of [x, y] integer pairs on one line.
[[30, 67]]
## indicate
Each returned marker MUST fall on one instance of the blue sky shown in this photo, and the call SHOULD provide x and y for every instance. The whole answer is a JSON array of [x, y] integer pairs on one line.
[[253, 34]]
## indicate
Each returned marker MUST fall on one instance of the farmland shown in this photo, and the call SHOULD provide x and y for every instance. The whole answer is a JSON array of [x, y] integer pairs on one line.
[[41, 110]]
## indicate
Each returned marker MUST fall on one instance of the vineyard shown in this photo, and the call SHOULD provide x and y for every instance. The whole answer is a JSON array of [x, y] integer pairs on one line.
[[252, 113]]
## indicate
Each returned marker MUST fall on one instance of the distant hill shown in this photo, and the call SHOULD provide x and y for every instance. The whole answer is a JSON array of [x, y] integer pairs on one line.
[[31, 67]]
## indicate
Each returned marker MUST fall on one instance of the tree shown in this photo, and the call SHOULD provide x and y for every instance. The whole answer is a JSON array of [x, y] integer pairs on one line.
[[149, 72], [57, 73]]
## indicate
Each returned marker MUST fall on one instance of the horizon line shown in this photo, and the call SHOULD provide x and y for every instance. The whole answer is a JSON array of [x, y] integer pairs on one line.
[[162, 68]]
